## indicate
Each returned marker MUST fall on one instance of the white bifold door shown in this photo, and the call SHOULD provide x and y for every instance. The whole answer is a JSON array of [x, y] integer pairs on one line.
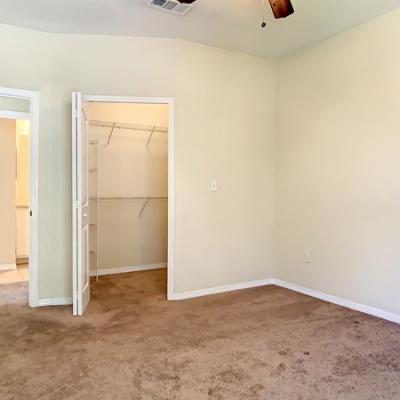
[[80, 188]]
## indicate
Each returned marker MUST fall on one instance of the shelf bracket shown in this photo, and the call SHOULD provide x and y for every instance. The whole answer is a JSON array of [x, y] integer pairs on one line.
[[143, 207], [149, 139], [110, 135]]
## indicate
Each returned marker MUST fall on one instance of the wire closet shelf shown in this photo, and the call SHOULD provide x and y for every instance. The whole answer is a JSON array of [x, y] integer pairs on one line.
[[151, 129]]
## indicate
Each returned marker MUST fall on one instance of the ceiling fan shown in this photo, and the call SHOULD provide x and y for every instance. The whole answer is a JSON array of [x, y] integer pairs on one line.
[[280, 8]]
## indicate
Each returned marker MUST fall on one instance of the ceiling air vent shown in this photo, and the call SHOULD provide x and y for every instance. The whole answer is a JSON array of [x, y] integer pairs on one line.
[[171, 6]]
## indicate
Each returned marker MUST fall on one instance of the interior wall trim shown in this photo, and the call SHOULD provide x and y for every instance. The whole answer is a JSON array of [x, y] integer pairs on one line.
[[8, 267], [129, 268], [60, 301], [376, 312]]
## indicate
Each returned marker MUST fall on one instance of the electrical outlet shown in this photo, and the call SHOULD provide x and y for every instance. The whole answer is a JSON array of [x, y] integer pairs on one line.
[[213, 185], [307, 256]]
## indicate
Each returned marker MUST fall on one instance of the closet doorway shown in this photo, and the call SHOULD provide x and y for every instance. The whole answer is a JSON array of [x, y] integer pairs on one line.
[[122, 190]]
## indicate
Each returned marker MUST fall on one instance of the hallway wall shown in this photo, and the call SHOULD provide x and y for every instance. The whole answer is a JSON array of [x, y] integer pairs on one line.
[[7, 193]]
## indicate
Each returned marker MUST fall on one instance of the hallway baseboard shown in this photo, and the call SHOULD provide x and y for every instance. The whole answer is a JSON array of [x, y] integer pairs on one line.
[[8, 267]]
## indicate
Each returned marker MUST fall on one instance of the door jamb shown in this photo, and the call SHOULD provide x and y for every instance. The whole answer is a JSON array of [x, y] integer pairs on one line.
[[171, 169], [33, 116]]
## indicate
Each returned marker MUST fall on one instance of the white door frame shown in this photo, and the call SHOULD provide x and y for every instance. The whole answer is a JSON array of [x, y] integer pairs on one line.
[[171, 168], [33, 117]]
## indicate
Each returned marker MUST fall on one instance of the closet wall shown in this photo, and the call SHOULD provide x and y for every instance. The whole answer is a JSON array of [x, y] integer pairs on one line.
[[126, 167]]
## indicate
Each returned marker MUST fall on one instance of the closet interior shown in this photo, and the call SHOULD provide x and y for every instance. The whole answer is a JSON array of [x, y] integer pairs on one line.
[[128, 187]]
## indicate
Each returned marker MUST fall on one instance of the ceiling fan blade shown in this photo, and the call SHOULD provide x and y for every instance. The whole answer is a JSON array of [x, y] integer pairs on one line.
[[281, 8]]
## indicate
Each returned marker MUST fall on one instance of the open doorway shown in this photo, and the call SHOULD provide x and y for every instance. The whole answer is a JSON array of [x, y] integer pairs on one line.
[[122, 179], [18, 197]]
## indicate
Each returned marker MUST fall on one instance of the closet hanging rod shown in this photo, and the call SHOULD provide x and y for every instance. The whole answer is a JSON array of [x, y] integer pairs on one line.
[[140, 128], [133, 198], [144, 199]]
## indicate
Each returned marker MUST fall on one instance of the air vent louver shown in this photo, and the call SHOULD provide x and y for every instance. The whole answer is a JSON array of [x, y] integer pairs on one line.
[[171, 6]]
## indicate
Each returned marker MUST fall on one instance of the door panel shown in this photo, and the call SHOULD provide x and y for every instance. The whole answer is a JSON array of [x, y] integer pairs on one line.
[[86, 266], [80, 184]]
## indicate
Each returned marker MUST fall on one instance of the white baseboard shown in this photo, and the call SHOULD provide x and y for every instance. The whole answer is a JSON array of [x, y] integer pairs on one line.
[[376, 312], [8, 267], [220, 289], [129, 268], [61, 301]]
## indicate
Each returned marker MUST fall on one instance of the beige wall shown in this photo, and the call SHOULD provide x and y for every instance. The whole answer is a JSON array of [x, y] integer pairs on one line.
[[127, 169], [338, 165], [7, 192], [224, 130]]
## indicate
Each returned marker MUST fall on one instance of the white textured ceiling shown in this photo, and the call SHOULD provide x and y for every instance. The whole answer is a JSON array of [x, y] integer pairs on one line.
[[232, 24]]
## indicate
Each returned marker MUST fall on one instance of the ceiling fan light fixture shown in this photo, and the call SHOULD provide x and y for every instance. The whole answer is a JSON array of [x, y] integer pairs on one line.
[[281, 8]]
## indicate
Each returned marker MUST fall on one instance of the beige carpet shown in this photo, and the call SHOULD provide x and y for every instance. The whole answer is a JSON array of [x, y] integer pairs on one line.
[[266, 343]]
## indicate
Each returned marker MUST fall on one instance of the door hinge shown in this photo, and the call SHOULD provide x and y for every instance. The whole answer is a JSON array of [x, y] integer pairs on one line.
[[30, 213]]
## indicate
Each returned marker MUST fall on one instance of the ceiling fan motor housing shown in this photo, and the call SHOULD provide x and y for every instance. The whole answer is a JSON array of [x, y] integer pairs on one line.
[[281, 8]]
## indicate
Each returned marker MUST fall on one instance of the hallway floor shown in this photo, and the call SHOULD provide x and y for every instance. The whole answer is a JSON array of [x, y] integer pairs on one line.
[[21, 274], [265, 343]]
